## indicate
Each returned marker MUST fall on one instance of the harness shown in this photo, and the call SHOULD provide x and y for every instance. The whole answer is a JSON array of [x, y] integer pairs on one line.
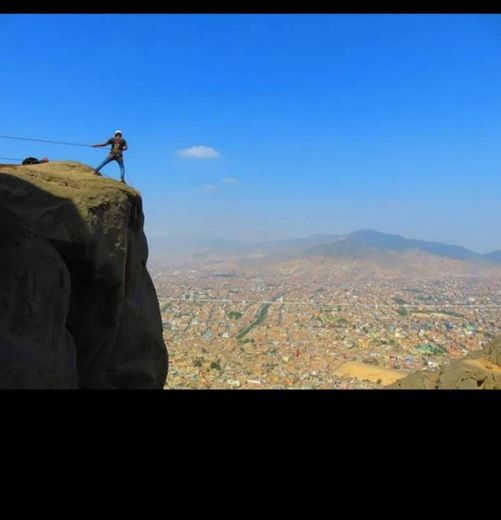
[[117, 145]]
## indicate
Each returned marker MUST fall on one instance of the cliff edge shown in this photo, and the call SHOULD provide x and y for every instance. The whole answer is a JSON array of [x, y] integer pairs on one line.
[[78, 308]]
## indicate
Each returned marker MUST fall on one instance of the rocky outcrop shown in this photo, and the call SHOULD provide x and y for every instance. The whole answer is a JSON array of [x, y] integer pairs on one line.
[[36, 349], [478, 371], [78, 308]]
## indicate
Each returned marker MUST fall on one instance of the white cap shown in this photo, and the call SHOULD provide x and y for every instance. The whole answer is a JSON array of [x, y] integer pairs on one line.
[[118, 132]]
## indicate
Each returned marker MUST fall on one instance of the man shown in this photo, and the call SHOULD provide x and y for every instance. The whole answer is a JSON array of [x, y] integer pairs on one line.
[[118, 146]]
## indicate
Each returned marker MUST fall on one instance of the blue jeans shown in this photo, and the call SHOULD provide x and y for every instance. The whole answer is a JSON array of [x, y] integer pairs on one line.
[[120, 162]]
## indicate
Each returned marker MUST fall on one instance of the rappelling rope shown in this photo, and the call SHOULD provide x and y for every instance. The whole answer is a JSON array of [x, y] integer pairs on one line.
[[42, 140]]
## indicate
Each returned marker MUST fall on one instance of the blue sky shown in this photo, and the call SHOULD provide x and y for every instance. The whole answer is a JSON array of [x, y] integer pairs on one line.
[[319, 123]]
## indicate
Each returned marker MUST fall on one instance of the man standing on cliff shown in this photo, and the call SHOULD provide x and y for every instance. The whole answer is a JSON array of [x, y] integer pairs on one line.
[[118, 146]]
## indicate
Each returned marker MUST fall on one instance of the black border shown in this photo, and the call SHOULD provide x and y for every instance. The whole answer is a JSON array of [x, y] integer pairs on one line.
[[219, 430], [254, 7]]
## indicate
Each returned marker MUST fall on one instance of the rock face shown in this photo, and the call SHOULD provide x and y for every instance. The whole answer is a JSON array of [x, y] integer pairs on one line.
[[78, 308], [478, 371], [36, 350]]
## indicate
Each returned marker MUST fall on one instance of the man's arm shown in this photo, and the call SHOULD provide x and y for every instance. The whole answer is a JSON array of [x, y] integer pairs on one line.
[[101, 145], [126, 146]]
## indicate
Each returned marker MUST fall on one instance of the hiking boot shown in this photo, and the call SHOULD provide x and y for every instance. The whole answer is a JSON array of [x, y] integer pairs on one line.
[[123, 180], [97, 173]]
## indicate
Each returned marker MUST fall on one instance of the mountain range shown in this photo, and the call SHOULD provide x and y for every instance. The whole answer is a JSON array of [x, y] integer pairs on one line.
[[361, 245]]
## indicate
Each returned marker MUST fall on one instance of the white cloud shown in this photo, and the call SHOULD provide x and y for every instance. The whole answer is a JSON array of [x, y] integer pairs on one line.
[[230, 180], [209, 187], [199, 152]]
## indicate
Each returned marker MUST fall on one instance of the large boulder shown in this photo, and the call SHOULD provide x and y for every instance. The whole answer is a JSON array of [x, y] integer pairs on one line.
[[478, 371], [82, 236]]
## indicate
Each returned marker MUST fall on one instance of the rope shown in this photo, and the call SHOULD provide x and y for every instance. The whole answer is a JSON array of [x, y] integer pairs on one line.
[[42, 140]]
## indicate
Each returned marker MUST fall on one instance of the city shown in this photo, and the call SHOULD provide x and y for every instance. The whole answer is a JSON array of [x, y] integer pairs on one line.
[[271, 331]]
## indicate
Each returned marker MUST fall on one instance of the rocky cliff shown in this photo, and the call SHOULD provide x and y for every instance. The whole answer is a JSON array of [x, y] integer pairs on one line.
[[478, 371], [77, 305]]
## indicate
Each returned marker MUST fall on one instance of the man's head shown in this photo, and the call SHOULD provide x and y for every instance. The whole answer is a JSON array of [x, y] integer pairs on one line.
[[118, 133]]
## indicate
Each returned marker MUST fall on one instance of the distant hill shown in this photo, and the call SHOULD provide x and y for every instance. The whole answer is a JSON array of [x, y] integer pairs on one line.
[[362, 251], [364, 243], [203, 247], [494, 257], [182, 246], [293, 245]]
